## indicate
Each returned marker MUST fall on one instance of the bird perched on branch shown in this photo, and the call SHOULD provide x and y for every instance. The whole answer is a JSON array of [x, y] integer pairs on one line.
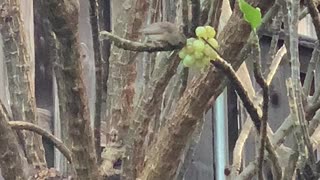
[[164, 32]]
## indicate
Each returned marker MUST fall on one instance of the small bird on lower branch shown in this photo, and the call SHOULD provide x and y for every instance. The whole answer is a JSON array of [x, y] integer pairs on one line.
[[164, 32]]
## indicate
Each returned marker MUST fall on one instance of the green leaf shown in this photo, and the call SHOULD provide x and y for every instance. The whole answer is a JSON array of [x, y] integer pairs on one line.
[[251, 15]]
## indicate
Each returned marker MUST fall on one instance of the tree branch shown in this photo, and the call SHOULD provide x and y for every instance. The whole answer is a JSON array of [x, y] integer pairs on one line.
[[136, 46], [227, 69], [248, 104], [145, 109], [163, 157], [22, 125], [265, 91], [311, 67], [73, 103], [315, 16]]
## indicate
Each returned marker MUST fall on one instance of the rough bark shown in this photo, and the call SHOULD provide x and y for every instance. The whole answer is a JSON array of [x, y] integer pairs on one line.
[[73, 106], [146, 108], [11, 162], [162, 160], [95, 28], [127, 18], [20, 76]]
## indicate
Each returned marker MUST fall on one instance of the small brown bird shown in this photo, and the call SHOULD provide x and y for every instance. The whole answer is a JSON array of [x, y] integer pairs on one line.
[[164, 32]]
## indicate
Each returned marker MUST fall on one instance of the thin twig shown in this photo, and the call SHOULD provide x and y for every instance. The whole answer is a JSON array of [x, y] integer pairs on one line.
[[314, 123], [251, 109], [275, 63], [247, 48], [238, 149], [136, 46], [292, 163], [311, 67], [227, 69], [276, 26], [22, 125], [265, 90], [295, 116], [303, 13], [247, 126], [315, 16], [311, 110]]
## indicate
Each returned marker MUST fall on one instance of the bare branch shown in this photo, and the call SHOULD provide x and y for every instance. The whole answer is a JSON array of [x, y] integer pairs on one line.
[[163, 157], [136, 46], [311, 110], [311, 67], [275, 63], [315, 16], [227, 69], [248, 104], [291, 16], [276, 26], [314, 123], [237, 152], [265, 91], [295, 116], [284, 130], [22, 125], [292, 164]]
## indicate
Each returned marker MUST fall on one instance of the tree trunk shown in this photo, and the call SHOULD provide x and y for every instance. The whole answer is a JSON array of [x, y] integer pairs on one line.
[[73, 103]]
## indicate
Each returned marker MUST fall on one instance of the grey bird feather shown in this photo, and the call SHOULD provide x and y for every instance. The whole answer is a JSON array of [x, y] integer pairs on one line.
[[164, 32]]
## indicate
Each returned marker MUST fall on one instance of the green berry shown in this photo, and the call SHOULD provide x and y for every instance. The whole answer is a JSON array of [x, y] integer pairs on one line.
[[198, 45], [208, 51], [198, 55], [189, 49], [201, 32], [182, 53], [210, 31], [188, 61], [213, 43], [190, 41]]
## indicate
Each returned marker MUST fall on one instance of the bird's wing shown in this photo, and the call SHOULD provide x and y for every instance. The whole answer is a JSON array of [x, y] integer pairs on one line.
[[158, 28]]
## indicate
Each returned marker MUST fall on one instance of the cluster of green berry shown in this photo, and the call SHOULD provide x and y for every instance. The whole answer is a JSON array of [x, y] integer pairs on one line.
[[197, 53]]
